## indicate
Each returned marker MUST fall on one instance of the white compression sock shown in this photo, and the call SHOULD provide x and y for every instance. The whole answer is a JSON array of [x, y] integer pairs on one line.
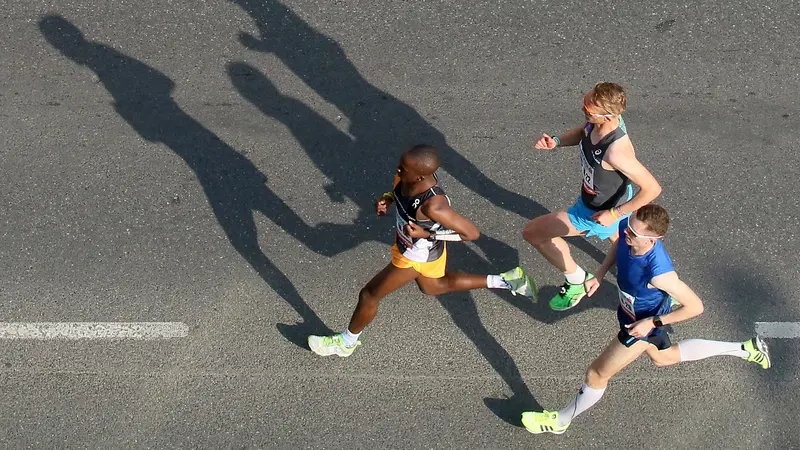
[[585, 399], [694, 349], [496, 282], [349, 338], [576, 278]]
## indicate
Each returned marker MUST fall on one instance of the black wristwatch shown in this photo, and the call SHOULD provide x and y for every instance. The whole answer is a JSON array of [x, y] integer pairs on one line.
[[657, 322]]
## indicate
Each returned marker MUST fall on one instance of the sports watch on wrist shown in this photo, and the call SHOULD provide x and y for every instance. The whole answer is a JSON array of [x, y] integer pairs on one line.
[[657, 322]]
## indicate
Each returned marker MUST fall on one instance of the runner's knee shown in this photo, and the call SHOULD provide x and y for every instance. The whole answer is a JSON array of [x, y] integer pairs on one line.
[[595, 377], [667, 357], [367, 296], [433, 286], [534, 235], [661, 363]]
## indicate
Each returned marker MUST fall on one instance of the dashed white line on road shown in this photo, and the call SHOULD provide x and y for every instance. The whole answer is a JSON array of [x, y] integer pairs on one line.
[[778, 330], [93, 330]]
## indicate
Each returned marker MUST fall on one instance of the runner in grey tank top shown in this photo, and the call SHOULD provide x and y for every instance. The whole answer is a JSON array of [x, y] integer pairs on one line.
[[608, 167]]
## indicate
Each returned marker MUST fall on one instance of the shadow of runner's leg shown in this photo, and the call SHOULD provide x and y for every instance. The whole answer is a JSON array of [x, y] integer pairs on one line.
[[142, 96], [378, 121], [462, 309]]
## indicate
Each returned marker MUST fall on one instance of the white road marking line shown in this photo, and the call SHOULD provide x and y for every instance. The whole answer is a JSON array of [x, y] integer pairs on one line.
[[778, 330], [93, 330]]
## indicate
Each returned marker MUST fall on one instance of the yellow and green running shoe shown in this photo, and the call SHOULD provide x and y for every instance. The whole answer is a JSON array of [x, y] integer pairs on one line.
[[331, 345], [758, 352], [542, 422], [520, 282], [569, 296]]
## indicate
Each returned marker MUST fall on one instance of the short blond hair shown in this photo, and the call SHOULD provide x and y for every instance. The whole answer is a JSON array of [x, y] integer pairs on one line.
[[610, 96]]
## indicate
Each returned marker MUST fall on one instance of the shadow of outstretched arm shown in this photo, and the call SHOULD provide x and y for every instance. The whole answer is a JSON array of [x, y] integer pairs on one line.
[[232, 184], [379, 122]]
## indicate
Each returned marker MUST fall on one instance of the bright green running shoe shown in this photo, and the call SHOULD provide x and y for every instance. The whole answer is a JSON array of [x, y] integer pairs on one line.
[[331, 345], [542, 422], [569, 296], [520, 282], [758, 352]]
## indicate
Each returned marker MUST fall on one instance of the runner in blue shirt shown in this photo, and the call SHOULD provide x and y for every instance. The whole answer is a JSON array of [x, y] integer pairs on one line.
[[647, 283]]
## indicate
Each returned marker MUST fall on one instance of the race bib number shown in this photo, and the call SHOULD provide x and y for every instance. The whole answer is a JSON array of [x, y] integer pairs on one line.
[[626, 301], [588, 173], [401, 232]]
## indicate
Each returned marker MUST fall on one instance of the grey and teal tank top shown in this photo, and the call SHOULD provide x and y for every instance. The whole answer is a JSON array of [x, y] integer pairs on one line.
[[602, 188]]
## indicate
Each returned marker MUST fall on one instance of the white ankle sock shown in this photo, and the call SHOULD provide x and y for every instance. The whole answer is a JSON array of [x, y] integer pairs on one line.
[[496, 282], [349, 338], [576, 278]]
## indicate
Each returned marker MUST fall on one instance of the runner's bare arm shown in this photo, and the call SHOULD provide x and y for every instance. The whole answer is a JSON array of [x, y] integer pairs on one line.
[[383, 202], [438, 209], [569, 138], [608, 262], [572, 136], [593, 284], [691, 305], [622, 157]]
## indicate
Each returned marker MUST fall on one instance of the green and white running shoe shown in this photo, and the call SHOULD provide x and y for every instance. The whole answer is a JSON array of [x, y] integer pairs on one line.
[[758, 352], [520, 282], [569, 296], [331, 345], [542, 422]]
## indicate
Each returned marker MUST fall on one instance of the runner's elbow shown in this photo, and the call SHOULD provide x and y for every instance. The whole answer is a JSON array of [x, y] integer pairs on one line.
[[696, 308], [471, 236], [656, 189]]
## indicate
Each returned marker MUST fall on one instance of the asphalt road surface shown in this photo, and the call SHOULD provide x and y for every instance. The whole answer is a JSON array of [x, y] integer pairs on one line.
[[214, 163]]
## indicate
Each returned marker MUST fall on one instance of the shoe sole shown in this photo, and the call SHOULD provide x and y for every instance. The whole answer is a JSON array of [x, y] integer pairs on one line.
[[313, 350], [537, 429], [330, 354], [540, 431], [530, 288], [543, 432], [534, 291], [526, 288], [764, 349]]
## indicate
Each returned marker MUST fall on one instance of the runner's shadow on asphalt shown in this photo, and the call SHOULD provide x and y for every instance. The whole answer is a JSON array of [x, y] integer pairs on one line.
[[379, 124], [753, 297], [236, 189], [463, 311], [604, 298]]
